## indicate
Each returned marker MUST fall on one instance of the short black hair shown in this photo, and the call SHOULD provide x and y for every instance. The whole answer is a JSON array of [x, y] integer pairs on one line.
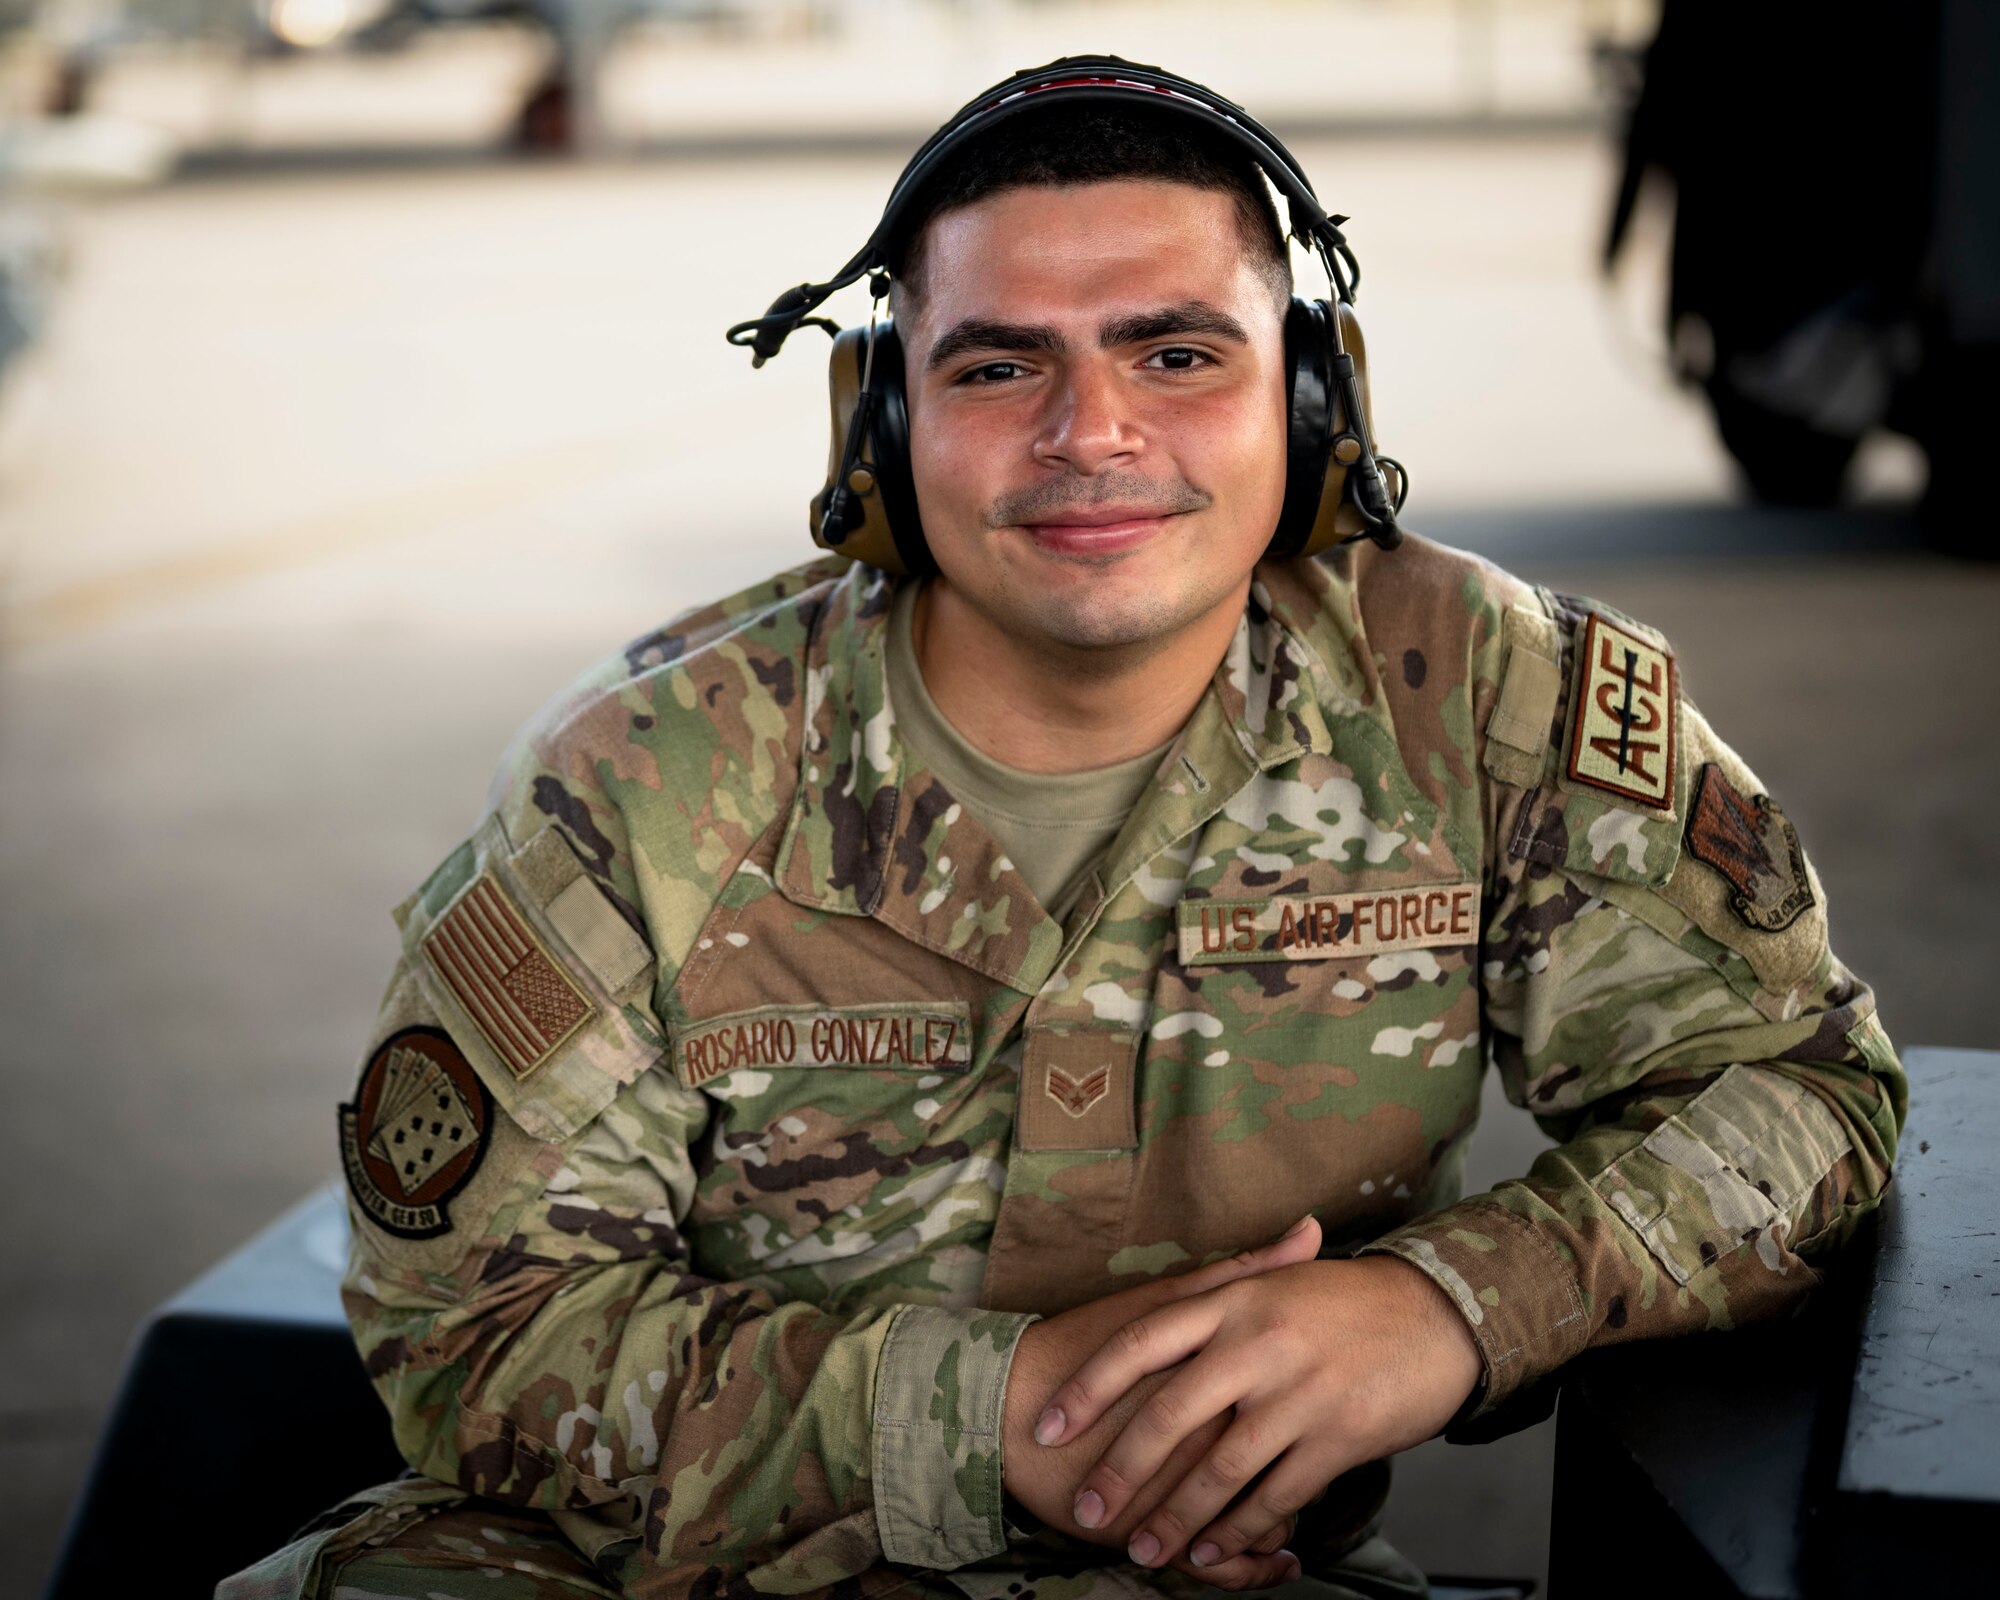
[[1061, 147]]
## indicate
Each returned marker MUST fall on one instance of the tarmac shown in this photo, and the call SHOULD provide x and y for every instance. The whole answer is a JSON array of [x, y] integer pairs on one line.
[[327, 475]]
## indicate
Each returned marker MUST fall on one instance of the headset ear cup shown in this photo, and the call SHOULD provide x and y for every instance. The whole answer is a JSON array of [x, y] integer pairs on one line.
[[1336, 518], [892, 455], [881, 526], [863, 533], [1308, 384]]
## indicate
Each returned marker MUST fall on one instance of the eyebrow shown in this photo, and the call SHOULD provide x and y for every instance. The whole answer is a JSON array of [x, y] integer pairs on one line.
[[1190, 316], [980, 333]]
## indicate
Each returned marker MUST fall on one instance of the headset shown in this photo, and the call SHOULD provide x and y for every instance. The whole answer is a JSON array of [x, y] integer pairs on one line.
[[1338, 489]]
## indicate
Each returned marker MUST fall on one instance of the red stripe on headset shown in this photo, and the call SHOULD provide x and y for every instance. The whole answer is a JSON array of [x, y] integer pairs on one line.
[[1093, 82]]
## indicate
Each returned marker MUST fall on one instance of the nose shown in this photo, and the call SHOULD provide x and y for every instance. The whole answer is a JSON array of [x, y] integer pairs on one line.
[[1089, 425]]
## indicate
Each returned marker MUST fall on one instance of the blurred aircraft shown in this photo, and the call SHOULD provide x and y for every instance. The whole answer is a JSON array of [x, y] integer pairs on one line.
[[557, 113]]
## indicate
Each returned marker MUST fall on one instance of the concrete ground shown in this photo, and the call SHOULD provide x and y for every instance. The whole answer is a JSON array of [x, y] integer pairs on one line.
[[325, 479]]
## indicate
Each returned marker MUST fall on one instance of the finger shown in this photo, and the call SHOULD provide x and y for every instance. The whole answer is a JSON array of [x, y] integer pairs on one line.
[[1241, 1571], [1080, 1403], [1269, 1510], [1298, 1243], [1279, 1536], [1229, 1470], [1147, 1344], [1259, 1570], [1188, 1402]]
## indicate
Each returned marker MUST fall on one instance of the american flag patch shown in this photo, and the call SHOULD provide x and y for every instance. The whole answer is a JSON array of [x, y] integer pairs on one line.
[[520, 999]]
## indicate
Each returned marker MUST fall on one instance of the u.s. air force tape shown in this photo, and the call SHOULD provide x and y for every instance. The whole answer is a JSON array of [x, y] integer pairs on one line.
[[1328, 927]]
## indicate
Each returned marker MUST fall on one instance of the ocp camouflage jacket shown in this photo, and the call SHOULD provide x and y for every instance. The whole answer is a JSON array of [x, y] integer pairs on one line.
[[734, 1104]]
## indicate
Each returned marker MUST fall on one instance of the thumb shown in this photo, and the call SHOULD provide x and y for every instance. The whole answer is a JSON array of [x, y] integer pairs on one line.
[[1299, 1243]]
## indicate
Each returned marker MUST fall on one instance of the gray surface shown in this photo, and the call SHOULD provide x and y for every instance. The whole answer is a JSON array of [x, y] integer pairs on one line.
[[1925, 1415], [1724, 1439], [289, 1273]]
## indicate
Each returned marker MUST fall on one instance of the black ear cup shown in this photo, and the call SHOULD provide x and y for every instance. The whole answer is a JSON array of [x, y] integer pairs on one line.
[[1309, 429], [1322, 442], [867, 508]]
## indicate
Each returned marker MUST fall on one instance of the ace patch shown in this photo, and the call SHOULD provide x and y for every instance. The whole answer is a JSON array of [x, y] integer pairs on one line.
[[1622, 726], [415, 1133]]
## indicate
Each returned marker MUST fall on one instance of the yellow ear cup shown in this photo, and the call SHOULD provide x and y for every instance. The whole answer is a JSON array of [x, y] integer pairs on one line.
[[879, 524], [865, 534]]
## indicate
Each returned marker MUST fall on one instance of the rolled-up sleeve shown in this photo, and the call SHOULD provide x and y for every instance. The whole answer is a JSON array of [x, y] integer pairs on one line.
[[939, 1391]]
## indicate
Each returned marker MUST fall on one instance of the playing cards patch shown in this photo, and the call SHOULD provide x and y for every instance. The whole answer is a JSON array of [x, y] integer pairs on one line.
[[414, 1135]]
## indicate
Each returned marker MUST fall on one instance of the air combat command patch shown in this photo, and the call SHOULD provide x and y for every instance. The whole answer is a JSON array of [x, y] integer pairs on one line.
[[415, 1133], [1749, 841]]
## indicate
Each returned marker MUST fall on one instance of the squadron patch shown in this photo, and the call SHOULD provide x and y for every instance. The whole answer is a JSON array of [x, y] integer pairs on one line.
[[415, 1133], [1750, 842], [1622, 725]]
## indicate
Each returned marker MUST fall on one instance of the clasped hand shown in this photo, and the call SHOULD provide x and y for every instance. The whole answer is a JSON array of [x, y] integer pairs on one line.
[[1200, 1414]]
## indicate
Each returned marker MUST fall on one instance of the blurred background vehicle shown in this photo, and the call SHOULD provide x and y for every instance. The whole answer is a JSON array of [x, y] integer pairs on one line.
[[1836, 235]]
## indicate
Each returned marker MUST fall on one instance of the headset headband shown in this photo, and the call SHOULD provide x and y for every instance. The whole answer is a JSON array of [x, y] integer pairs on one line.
[[1080, 80]]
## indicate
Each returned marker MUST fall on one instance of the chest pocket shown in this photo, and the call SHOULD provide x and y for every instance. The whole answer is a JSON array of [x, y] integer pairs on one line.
[[1319, 1047], [1343, 994], [853, 1096]]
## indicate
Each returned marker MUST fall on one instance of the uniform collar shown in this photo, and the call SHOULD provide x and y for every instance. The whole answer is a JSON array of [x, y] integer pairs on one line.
[[871, 834]]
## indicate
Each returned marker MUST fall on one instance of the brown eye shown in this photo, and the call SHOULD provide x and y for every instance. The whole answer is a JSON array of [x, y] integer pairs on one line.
[[1177, 359]]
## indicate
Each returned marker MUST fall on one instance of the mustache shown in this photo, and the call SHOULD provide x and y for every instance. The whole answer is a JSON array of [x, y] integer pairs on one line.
[[1051, 501]]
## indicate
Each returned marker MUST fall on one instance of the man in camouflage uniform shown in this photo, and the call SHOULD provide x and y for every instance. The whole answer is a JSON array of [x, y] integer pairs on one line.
[[741, 1109]]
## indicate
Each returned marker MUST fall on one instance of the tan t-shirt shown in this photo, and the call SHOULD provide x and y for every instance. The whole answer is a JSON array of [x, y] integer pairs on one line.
[[1054, 826]]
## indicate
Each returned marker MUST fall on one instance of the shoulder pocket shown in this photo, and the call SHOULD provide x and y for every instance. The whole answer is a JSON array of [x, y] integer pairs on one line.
[[1521, 727], [537, 974]]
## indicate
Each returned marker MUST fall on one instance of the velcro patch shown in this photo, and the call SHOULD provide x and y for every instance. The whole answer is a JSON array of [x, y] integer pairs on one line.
[[415, 1133], [514, 991], [928, 1037], [1522, 721], [1327, 927], [1749, 841], [1623, 721]]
